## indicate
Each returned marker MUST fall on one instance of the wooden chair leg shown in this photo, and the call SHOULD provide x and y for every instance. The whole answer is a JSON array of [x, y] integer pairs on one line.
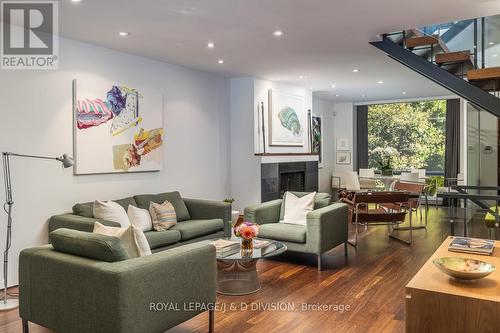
[[211, 321], [319, 262], [25, 326], [345, 248]]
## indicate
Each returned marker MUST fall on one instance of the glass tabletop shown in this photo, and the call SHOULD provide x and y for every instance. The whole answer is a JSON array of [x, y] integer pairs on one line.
[[271, 249]]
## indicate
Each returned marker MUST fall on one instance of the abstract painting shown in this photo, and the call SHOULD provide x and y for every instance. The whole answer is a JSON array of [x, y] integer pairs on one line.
[[317, 138], [117, 128], [287, 119]]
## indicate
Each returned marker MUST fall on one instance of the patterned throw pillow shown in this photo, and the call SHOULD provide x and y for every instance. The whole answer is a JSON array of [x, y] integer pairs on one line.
[[163, 216]]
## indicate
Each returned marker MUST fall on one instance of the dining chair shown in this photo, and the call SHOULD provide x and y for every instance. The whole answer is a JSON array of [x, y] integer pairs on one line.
[[367, 179], [422, 173], [352, 181], [347, 180], [368, 208], [409, 176], [417, 188], [366, 173], [448, 184]]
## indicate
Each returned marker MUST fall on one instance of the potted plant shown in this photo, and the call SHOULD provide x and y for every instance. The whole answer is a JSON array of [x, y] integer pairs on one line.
[[384, 157]]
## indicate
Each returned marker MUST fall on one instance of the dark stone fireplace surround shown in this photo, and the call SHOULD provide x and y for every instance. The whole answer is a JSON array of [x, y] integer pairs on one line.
[[276, 178]]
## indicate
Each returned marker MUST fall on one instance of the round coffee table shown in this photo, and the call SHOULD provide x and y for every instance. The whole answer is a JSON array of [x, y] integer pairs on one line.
[[237, 273]]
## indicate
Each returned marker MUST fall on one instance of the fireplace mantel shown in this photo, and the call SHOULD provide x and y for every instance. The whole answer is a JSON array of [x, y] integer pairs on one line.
[[286, 157]]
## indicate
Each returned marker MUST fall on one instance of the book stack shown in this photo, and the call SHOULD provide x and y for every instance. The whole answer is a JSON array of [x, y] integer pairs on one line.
[[260, 244], [225, 247], [472, 245]]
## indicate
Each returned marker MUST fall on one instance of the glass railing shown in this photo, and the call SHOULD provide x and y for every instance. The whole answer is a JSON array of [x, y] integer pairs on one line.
[[479, 36]]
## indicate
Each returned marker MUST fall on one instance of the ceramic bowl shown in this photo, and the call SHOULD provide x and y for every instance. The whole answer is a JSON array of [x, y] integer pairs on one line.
[[463, 268]]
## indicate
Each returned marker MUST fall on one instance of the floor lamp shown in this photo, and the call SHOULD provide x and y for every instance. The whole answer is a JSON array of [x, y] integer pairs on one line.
[[8, 304]]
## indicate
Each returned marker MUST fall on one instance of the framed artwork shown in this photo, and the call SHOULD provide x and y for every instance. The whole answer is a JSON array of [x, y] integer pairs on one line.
[[317, 138], [343, 157], [116, 128], [343, 144], [287, 119]]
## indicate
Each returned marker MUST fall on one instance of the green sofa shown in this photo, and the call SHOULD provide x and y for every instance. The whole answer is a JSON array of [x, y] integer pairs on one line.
[[198, 219], [85, 283], [326, 226]]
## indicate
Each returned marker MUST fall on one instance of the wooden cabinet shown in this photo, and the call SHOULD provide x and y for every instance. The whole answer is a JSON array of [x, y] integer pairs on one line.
[[436, 302]]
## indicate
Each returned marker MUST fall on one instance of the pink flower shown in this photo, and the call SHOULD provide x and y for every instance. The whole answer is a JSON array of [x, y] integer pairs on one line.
[[247, 230]]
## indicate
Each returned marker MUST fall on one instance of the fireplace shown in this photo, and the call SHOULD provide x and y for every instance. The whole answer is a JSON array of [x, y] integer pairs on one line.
[[277, 178], [292, 181]]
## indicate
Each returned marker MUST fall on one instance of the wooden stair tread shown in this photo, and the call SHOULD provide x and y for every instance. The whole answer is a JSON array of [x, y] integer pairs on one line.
[[454, 57], [421, 41], [492, 73]]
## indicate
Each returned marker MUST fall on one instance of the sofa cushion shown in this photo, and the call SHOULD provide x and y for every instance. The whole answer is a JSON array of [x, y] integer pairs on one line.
[[163, 216], [158, 239], [174, 198], [197, 228], [294, 233], [86, 209], [89, 245], [320, 200], [111, 211]]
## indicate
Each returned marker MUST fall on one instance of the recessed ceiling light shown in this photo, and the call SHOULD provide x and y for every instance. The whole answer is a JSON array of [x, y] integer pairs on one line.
[[355, 70], [75, 0], [337, 95], [491, 43], [380, 82], [278, 33], [220, 61], [333, 86], [124, 33], [210, 45], [301, 77], [404, 92], [495, 55]]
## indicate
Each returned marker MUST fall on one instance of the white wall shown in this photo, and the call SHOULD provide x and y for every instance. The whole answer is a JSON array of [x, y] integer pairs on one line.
[[325, 109], [261, 89], [246, 136], [245, 166], [344, 128], [37, 119]]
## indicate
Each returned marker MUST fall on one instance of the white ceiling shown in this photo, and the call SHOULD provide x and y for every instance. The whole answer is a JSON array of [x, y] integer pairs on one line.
[[323, 39]]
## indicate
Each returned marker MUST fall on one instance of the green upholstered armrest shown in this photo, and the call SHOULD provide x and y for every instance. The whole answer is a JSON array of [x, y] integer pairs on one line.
[[76, 222], [68, 293], [327, 227], [267, 212], [207, 209], [88, 244]]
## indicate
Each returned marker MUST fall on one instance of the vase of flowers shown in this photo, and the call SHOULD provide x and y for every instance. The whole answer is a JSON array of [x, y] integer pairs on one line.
[[384, 157], [247, 231]]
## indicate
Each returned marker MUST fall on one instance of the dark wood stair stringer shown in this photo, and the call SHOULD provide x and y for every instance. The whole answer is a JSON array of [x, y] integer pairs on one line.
[[440, 76]]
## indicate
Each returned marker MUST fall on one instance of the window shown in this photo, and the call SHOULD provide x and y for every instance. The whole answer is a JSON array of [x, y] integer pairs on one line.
[[416, 130]]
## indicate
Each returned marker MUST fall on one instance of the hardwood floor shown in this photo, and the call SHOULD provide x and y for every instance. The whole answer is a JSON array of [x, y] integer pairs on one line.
[[369, 286]]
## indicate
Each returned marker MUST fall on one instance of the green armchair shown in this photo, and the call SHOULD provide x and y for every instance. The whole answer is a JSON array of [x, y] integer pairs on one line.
[[85, 293], [326, 227]]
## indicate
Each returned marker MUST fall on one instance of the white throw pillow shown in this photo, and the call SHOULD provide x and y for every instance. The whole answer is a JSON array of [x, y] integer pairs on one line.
[[140, 218], [296, 208], [111, 211], [132, 237]]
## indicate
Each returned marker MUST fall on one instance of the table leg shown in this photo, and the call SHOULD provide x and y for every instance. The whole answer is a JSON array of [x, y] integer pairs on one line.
[[237, 277]]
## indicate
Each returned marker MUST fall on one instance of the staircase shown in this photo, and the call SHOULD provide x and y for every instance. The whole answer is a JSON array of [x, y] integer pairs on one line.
[[455, 70]]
